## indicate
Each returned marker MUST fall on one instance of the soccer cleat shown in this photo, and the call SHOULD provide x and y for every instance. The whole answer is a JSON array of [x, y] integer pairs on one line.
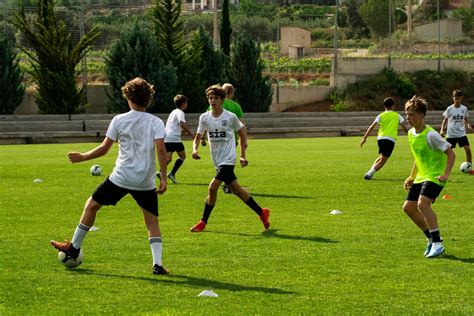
[[172, 178], [367, 176], [199, 227], [437, 249], [160, 270], [67, 248], [428, 248], [264, 217], [226, 189]]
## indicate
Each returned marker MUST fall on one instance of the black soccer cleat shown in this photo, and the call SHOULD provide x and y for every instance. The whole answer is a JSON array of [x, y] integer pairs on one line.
[[160, 270]]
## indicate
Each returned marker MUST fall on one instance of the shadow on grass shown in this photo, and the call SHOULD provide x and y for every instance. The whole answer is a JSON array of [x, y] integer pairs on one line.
[[281, 196], [195, 184], [453, 257], [273, 233], [177, 279]]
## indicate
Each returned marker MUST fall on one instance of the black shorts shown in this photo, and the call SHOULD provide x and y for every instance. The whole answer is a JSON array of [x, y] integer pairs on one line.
[[386, 147], [174, 147], [226, 173], [427, 188], [461, 141], [109, 194]]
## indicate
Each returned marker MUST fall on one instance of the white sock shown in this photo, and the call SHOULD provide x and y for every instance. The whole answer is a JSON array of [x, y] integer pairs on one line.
[[156, 250], [79, 235]]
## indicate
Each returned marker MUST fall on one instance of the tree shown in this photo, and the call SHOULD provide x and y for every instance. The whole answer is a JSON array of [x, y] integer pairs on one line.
[[354, 21], [10, 79], [213, 69], [136, 54], [54, 59], [375, 14], [173, 49], [428, 10], [225, 29], [253, 90]]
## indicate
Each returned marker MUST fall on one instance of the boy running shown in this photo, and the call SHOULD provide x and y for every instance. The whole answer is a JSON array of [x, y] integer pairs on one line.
[[138, 134], [220, 125], [175, 124], [456, 118], [434, 160], [389, 121]]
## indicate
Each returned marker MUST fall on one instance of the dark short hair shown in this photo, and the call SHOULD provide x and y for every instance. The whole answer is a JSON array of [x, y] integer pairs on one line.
[[215, 90], [179, 100], [417, 104], [388, 102], [457, 93], [139, 91]]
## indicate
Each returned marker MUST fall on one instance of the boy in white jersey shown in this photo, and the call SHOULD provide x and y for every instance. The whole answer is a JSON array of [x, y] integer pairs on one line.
[[175, 124], [220, 125], [138, 133], [389, 121], [434, 160], [455, 117]]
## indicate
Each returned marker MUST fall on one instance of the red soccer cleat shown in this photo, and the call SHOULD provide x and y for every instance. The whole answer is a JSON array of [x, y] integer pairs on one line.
[[199, 227], [67, 248], [264, 218]]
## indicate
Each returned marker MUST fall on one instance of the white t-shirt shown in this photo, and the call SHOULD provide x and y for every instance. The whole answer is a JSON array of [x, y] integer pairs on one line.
[[434, 140], [220, 135], [173, 126], [456, 116], [135, 132]]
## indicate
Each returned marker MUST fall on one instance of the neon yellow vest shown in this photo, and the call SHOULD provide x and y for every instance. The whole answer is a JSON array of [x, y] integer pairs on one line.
[[389, 124], [429, 163]]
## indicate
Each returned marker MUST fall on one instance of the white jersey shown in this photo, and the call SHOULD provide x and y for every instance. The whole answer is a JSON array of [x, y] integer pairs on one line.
[[135, 166], [220, 135], [456, 117], [173, 126]]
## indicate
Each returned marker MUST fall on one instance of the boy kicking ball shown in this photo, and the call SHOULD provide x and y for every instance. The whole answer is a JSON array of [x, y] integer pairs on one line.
[[221, 125], [434, 160]]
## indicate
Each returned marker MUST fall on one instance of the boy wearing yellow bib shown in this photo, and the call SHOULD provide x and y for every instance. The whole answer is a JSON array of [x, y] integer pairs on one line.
[[434, 160], [389, 121]]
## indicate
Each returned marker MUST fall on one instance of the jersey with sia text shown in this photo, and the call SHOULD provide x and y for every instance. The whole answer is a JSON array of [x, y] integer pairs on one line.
[[220, 135]]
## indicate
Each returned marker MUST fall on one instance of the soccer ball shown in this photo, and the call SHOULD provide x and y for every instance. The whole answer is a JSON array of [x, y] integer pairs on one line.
[[466, 167], [68, 262], [96, 170]]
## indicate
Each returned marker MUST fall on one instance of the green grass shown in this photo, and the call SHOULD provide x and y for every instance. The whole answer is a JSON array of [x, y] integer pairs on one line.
[[366, 261]]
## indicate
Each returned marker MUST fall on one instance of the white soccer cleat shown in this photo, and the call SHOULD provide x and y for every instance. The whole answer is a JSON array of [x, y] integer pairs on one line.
[[437, 249], [172, 178]]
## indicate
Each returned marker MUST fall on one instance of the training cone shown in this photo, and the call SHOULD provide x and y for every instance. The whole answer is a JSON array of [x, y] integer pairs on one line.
[[208, 293], [336, 212], [447, 197]]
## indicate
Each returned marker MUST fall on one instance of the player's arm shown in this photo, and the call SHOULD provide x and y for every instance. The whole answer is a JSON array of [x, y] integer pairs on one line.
[[163, 162], [409, 181], [405, 126], [185, 128], [367, 133], [97, 152], [243, 146], [196, 141], [468, 125], [449, 165], [443, 125]]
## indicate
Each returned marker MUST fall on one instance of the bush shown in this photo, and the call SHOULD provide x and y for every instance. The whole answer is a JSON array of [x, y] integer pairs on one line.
[[10, 79]]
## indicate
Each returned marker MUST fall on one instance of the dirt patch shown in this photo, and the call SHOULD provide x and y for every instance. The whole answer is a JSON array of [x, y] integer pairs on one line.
[[322, 106]]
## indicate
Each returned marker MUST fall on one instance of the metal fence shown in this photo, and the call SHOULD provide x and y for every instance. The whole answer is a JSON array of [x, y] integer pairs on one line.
[[296, 48]]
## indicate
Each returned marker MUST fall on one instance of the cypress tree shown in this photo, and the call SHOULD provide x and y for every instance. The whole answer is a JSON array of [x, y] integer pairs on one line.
[[253, 90], [225, 29], [10, 79]]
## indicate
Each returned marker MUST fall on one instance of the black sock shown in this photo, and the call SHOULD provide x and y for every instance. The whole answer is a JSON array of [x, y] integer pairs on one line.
[[176, 166], [254, 206], [427, 233], [435, 235], [207, 212]]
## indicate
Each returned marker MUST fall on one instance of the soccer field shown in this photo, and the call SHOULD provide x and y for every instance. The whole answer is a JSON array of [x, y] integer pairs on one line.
[[368, 260]]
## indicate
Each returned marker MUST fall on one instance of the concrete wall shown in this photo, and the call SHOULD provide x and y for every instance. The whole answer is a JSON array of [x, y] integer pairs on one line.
[[351, 69], [449, 28], [294, 36]]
